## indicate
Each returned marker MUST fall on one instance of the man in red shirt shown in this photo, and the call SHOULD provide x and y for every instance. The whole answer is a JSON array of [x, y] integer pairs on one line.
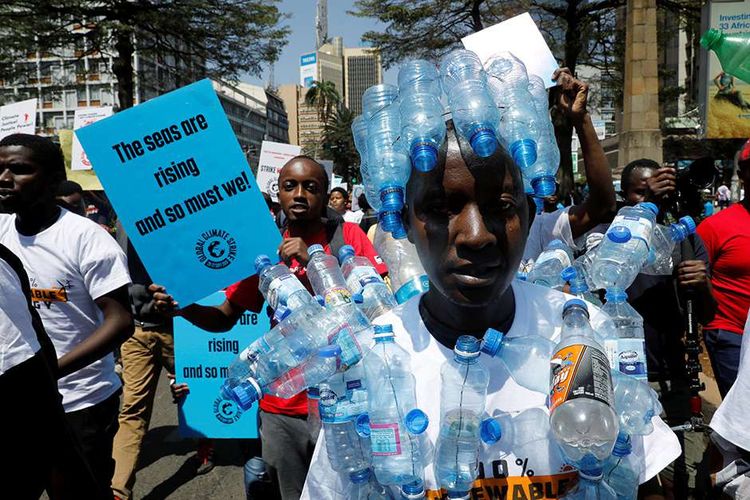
[[727, 239], [287, 444]]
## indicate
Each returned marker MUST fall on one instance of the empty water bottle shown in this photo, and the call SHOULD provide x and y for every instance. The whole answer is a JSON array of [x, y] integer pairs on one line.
[[258, 486], [550, 263], [393, 416], [279, 286], [636, 403], [378, 97], [460, 66], [625, 247], [413, 491], [626, 340], [526, 357], [581, 399], [463, 392], [590, 486], [326, 278], [733, 51], [475, 115], [619, 471], [662, 245], [347, 451], [363, 279], [522, 433], [547, 152], [405, 270], [418, 77], [422, 129], [313, 413], [364, 486], [575, 277]]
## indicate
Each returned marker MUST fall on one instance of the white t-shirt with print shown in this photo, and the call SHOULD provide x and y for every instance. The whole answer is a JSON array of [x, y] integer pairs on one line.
[[18, 341], [538, 312], [70, 265]]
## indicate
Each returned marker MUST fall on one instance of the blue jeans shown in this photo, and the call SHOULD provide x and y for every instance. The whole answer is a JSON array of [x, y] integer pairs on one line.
[[724, 352]]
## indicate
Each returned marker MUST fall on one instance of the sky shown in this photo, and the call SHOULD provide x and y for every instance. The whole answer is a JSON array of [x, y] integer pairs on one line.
[[302, 37]]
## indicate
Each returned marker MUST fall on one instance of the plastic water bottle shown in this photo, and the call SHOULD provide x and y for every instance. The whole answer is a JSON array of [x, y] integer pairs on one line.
[[313, 413], [625, 247], [378, 97], [525, 433], [663, 242], [732, 50], [626, 350], [581, 399], [408, 277], [326, 278], [388, 167], [393, 416], [463, 392], [413, 491], [422, 129], [257, 483], [619, 471], [475, 116], [279, 286], [363, 486], [311, 372], [419, 77], [636, 403], [460, 66], [550, 263], [362, 278], [526, 357], [348, 452], [590, 486], [575, 277], [547, 151]]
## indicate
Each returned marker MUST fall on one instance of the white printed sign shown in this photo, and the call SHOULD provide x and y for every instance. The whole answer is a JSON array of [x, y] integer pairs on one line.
[[18, 118], [83, 117], [273, 156]]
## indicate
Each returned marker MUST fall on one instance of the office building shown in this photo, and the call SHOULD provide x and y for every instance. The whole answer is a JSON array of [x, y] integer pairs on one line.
[[362, 69]]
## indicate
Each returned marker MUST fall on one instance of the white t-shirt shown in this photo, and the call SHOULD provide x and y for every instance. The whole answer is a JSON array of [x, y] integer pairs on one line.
[[730, 419], [538, 312], [545, 228], [18, 340], [353, 217], [70, 265]]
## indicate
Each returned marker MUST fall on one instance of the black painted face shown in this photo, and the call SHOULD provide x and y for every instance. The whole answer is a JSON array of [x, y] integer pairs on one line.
[[468, 219]]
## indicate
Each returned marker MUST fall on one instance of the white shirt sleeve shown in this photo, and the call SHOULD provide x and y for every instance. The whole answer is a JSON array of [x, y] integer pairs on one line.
[[103, 264], [322, 483], [545, 228]]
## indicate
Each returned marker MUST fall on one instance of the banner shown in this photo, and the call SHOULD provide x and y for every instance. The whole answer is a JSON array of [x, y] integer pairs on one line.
[[308, 69], [18, 118], [201, 361], [175, 174], [727, 98], [273, 156], [81, 118]]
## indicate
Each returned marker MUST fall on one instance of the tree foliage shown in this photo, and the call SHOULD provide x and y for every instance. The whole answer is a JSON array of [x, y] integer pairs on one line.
[[338, 144], [188, 38], [324, 97]]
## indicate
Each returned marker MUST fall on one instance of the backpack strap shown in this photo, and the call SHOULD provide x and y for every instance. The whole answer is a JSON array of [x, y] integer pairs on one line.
[[335, 235]]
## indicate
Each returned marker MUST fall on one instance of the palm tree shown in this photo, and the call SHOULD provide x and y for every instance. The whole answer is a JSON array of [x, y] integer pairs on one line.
[[324, 97], [338, 143]]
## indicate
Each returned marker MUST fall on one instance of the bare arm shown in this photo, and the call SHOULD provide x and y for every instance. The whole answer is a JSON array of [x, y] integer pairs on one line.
[[220, 318], [114, 330]]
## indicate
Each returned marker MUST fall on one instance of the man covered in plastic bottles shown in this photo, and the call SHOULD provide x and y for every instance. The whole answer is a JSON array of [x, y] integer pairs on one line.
[[469, 220]]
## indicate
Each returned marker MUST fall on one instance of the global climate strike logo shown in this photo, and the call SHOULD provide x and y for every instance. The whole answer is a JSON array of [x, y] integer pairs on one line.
[[216, 249], [226, 411]]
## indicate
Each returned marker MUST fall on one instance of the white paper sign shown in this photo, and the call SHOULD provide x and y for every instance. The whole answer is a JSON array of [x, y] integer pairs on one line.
[[18, 118], [520, 36], [81, 118], [273, 156]]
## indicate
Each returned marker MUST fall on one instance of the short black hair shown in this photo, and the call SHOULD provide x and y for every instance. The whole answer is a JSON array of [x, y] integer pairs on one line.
[[341, 190], [310, 158], [44, 152], [67, 188], [627, 172], [363, 203]]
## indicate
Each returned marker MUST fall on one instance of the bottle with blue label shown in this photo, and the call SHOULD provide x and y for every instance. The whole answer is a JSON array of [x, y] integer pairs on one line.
[[619, 471], [405, 270], [393, 420], [526, 357], [364, 486], [625, 248], [664, 240], [422, 129], [550, 263], [636, 404], [625, 342], [418, 77], [463, 393], [279, 286], [363, 279]]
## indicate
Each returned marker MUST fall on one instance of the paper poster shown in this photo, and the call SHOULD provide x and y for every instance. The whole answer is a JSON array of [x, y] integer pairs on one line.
[[81, 118], [520, 36], [18, 118], [178, 180], [201, 361], [273, 156]]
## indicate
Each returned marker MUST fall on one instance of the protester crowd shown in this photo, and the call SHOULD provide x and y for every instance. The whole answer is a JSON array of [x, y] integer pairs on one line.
[[71, 296]]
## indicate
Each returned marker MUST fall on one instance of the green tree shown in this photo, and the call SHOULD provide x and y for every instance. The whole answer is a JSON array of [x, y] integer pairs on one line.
[[189, 38], [324, 97], [338, 144]]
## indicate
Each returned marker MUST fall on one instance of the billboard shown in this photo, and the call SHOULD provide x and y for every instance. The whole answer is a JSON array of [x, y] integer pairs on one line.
[[727, 99], [308, 69]]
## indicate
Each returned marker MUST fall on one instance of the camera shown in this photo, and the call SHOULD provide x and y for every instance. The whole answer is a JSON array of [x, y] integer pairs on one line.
[[692, 179]]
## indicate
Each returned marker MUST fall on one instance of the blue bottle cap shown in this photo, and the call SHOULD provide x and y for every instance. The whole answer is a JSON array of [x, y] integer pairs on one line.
[[313, 249], [358, 298], [483, 142], [413, 490], [399, 233], [619, 234], [616, 295], [575, 303], [623, 446], [569, 274], [467, 346], [313, 392], [524, 153], [491, 432], [492, 342], [424, 156], [281, 313], [244, 394], [362, 425], [381, 329], [360, 477], [416, 421], [261, 262], [392, 198], [647, 205], [345, 252], [544, 186], [320, 300], [688, 223], [329, 351]]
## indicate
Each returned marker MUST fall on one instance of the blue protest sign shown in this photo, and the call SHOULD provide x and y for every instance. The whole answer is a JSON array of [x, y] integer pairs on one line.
[[181, 185], [201, 361]]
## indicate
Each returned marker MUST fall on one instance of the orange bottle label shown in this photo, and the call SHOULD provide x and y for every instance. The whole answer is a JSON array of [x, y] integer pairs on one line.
[[580, 371]]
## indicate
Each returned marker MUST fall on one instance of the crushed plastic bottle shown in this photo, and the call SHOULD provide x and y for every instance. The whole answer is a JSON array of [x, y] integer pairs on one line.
[[363, 279], [550, 263], [636, 404], [525, 357]]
